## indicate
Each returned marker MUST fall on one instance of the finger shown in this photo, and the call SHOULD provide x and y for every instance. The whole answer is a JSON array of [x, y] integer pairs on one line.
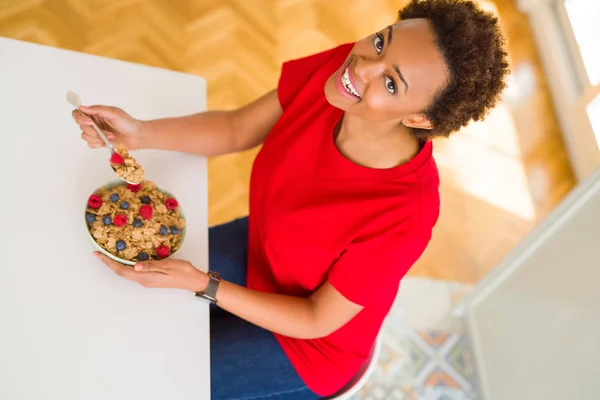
[[91, 132], [92, 142], [101, 111], [147, 279], [94, 137], [151, 266], [118, 268], [81, 119], [90, 138], [95, 144]]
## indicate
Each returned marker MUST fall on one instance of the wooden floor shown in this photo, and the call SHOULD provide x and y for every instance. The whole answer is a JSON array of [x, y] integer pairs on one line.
[[499, 176]]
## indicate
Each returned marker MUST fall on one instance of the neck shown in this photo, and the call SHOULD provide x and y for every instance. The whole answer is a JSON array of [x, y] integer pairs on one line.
[[357, 128], [375, 144]]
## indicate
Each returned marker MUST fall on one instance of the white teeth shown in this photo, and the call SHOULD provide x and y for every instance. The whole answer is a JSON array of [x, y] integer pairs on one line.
[[348, 85]]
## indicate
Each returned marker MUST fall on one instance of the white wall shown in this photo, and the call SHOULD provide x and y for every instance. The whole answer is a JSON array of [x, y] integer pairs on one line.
[[535, 321]]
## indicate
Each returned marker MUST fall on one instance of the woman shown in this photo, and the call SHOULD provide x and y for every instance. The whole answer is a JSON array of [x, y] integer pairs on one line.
[[343, 195]]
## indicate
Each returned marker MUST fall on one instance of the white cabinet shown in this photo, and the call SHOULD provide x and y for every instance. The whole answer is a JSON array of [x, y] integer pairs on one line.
[[535, 321]]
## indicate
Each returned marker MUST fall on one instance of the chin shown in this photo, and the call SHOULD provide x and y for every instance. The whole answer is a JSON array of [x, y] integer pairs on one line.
[[331, 94]]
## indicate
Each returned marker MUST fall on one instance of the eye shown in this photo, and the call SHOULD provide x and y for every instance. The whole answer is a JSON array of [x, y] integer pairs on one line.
[[378, 42], [390, 85]]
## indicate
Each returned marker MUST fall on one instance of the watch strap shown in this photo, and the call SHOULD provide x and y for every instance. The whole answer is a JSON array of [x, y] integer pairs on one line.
[[210, 293]]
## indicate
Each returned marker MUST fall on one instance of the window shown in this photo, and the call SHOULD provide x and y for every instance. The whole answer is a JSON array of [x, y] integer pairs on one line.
[[593, 112], [583, 17], [567, 35], [581, 29]]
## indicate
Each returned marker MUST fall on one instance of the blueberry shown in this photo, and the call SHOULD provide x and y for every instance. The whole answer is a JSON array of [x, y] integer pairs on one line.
[[120, 245], [145, 199], [114, 197], [89, 217], [124, 205], [107, 220], [143, 256], [137, 223], [164, 230], [174, 230]]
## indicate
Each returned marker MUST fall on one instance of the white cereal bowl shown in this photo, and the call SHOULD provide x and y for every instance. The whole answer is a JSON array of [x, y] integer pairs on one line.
[[111, 185]]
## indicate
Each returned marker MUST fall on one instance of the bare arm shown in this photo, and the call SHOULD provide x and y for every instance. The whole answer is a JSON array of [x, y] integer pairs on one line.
[[324, 312], [215, 133], [304, 318]]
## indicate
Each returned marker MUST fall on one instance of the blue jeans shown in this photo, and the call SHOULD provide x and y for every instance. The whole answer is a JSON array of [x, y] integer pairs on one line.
[[246, 362]]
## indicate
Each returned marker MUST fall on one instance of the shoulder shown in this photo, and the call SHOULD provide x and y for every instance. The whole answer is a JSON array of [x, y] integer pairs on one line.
[[410, 205], [305, 73], [320, 60]]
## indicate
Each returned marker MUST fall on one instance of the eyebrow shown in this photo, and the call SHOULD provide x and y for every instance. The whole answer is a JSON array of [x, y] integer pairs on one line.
[[401, 78], [395, 66]]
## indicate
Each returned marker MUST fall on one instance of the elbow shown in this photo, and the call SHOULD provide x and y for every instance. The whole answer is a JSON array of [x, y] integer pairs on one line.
[[235, 135], [323, 321], [322, 333], [241, 135], [320, 327], [312, 333], [309, 329], [318, 331]]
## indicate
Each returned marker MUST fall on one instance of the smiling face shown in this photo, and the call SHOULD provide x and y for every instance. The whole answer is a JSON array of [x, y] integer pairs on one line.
[[391, 75]]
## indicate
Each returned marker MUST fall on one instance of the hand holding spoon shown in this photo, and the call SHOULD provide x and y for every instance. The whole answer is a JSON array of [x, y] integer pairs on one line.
[[75, 101]]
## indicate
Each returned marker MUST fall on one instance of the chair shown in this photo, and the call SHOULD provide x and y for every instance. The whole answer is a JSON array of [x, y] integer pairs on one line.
[[361, 379]]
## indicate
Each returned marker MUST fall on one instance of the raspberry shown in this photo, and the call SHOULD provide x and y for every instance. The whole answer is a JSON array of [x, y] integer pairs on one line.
[[171, 204], [120, 220], [163, 251], [116, 158], [94, 201], [134, 188], [146, 211]]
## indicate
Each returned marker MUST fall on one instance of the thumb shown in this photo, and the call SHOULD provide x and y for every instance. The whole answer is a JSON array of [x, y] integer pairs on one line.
[[149, 266], [101, 111]]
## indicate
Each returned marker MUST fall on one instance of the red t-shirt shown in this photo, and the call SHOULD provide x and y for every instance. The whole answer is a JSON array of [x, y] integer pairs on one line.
[[317, 216]]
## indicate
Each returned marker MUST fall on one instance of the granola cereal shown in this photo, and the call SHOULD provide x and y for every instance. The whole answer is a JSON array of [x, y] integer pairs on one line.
[[135, 222], [126, 166]]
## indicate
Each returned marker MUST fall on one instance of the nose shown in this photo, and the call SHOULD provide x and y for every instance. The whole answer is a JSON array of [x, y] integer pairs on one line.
[[368, 68]]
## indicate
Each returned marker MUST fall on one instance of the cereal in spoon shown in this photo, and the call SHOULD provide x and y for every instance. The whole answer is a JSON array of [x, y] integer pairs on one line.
[[126, 166]]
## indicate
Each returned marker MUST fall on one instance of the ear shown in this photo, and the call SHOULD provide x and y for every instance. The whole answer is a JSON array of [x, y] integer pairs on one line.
[[418, 121]]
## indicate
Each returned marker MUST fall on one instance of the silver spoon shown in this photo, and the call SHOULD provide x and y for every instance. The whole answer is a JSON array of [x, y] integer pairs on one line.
[[75, 101]]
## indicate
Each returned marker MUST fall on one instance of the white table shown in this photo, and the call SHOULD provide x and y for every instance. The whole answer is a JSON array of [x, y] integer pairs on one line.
[[70, 329]]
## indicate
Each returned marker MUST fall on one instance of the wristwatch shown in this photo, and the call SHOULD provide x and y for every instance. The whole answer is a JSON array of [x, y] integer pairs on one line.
[[210, 294]]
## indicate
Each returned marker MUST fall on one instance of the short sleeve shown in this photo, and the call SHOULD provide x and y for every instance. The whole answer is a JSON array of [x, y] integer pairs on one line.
[[296, 73], [370, 270]]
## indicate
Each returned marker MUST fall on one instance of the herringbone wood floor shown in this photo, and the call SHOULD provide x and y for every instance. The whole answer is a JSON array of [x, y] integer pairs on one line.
[[499, 176]]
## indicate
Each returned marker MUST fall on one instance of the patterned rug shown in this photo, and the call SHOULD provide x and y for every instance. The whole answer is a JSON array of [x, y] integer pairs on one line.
[[422, 364]]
